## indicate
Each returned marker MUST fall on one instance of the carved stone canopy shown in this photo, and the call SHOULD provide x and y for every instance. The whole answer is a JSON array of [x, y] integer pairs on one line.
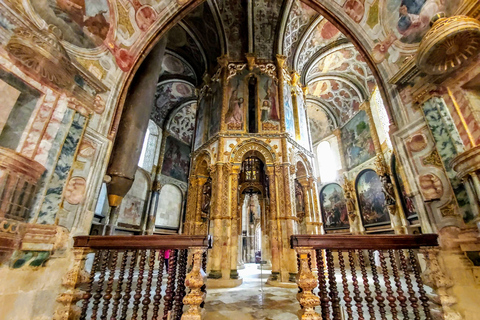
[[450, 44]]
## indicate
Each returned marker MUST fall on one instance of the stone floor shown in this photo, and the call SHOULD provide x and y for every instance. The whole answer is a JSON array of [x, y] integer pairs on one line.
[[252, 300]]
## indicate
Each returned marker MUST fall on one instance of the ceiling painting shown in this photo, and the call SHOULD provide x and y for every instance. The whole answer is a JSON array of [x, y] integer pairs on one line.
[[321, 123], [175, 65], [182, 123], [265, 23], [234, 17], [169, 95]]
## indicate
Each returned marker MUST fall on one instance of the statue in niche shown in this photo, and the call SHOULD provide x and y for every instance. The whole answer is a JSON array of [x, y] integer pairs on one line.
[[206, 198], [349, 198], [299, 201], [388, 190]]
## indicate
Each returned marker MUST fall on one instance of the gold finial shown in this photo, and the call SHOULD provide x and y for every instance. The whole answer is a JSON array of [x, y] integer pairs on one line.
[[250, 60], [305, 90], [295, 77], [223, 60], [281, 60]]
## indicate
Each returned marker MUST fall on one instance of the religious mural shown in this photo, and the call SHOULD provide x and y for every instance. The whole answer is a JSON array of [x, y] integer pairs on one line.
[[357, 140], [200, 136], [410, 19], [175, 66], [168, 95], [176, 160], [183, 122], [371, 199], [236, 111], [83, 23], [288, 109], [269, 106], [334, 208], [215, 106]]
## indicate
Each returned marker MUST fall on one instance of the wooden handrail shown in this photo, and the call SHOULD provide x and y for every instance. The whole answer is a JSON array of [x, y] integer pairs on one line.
[[380, 242], [161, 242]]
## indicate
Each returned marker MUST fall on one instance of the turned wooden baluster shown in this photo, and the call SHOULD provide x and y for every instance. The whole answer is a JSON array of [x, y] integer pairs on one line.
[[357, 297], [307, 282], [378, 290], [146, 297], [322, 286], [118, 293], [138, 290], [411, 292], [332, 284], [88, 293], [390, 293], [180, 294], [97, 296], [128, 287], [401, 297], [194, 281], [421, 290], [366, 287], [158, 289], [346, 291], [169, 292], [204, 267], [108, 292]]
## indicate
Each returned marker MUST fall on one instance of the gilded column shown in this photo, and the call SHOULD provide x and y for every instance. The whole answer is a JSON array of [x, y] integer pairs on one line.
[[280, 65], [216, 255], [274, 224], [316, 205], [295, 77], [373, 129], [234, 222], [223, 62]]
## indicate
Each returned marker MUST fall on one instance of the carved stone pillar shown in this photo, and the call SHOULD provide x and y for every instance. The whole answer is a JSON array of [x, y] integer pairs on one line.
[[373, 129], [216, 219], [195, 281], [150, 227], [306, 281], [280, 65], [272, 173], [338, 134], [234, 222]]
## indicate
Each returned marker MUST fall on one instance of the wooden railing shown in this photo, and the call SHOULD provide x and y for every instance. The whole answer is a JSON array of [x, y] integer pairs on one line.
[[383, 281], [126, 277]]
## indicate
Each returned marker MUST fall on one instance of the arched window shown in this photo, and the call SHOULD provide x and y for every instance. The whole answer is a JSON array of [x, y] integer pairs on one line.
[[327, 162], [380, 117], [252, 105], [150, 148]]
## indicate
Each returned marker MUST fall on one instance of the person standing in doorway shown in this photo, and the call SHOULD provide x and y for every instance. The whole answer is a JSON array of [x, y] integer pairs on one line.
[[166, 256]]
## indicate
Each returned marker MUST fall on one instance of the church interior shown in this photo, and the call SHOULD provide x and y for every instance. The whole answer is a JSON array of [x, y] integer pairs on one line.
[[173, 158]]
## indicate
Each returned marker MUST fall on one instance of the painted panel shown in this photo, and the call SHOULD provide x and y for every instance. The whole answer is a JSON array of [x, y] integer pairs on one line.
[[334, 207], [371, 199], [200, 134], [17, 101], [133, 204], [169, 207], [183, 123], [357, 140], [83, 23], [269, 106], [235, 116], [176, 160], [288, 109], [215, 107]]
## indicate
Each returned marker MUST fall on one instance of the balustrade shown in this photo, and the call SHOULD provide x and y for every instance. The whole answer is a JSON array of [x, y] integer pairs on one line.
[[130, 279], [388, 265]]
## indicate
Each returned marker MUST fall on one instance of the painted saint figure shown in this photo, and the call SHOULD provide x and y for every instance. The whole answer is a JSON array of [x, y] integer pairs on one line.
[[234, 117]]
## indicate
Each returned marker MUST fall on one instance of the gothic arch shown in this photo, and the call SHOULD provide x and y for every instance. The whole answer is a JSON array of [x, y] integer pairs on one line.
[[202, 156], [303, 160], [268, 155]]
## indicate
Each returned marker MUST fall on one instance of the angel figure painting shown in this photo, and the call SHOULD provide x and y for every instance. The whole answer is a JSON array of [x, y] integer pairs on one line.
[[234, 116]]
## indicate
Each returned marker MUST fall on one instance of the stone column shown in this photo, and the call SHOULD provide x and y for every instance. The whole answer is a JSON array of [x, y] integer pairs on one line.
[[290, 259], [272, 173], [234, 222], [373, 129], [133, 125], [152, 212], [281, 79], [215, 216]]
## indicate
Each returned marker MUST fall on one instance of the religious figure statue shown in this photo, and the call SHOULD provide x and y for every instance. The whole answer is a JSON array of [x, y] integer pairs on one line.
[[299, 201], [388, 190], [206, 197]]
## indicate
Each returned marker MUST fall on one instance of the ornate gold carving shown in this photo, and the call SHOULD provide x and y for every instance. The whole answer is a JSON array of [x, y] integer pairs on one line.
[[194, 281], [307, 281], [250, 61], [449, 44], [380, 165], [294, 78], [432, 159], [449, 210]]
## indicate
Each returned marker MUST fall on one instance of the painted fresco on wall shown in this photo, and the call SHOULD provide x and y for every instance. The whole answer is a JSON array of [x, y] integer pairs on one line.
[[288, 109], [176, 160], [357, 140], [200, 136], [371, 199], [17, 102], [169, 207], [410, 19], [83, 23], [170, 94], [407, 202], [182, 124], [269, 106], [215, 107], [235, 113], [173, 65], [334, 208], [133, 205]]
